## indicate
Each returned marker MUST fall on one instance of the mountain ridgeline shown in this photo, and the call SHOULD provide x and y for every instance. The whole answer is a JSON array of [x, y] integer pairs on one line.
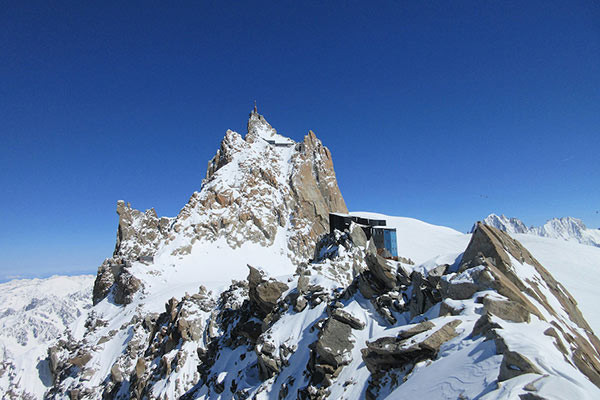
[[566, 228], [245, 294]]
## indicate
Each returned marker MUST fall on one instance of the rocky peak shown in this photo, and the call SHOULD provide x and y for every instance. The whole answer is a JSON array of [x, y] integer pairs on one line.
[[259, 128], [257, 189]]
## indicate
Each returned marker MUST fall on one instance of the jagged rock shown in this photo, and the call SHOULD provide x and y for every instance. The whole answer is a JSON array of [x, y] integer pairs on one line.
[[424, 295], [53, 358], [171, 309], [557, 341], [434, 275], [264, 293], [300, 304], [464, 285], [315, 191], [190, 329], [446, 308], [140, 368], [347, 318], [498, 247], [515, 364], [126, 285], [81, 359], [268, 363], [104, 281], [267, 366], [485, 326], [138, 233], [416, 329], [395, 352], [335, 345], [531, 396], [381, 270], [303, 281], [357, 235], [441, 336], [506, 309], [116, 375]]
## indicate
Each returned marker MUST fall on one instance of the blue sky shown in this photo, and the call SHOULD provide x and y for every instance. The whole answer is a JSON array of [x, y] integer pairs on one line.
[[443, 111]]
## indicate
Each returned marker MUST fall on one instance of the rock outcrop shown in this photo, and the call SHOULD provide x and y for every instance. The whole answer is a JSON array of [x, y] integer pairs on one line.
[[139, 233], [503, 257]]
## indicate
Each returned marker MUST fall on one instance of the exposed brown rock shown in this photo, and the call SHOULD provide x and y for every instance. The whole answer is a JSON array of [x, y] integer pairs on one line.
[[262, 292], [347, 318], [493, 248], [506, 309]]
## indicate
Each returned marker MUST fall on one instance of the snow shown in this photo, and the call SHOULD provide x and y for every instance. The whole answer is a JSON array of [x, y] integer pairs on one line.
[[33, 313], [574, 265], [465, 367], [566, 228], [421, 241]]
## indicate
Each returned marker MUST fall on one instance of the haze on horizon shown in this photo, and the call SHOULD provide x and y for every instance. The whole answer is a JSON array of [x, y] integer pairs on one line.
[[443, 112]]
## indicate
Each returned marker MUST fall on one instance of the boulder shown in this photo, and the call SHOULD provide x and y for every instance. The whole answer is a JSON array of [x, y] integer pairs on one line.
[[53, 359], [116, 375], [515, 364], [381, 270], [300, 304], [506, 309], [357, 235], [347, 318], [303, 281], [416, 329], [140, 368], [81, 359], [434, 341], [334, 345], [264, 293]]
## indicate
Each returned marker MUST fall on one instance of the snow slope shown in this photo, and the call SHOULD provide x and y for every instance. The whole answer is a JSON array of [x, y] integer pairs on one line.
[[33, 314], [575, 265], [421, 241]]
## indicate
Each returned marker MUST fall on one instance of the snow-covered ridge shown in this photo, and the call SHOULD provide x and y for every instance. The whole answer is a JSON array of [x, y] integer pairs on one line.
[[566, 228]]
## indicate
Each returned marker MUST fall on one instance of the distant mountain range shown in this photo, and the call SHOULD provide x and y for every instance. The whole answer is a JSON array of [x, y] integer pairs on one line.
[[566, 228], [34, 313]]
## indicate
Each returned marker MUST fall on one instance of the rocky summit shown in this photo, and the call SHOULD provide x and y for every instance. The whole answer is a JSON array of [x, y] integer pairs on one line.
[[247, 295]]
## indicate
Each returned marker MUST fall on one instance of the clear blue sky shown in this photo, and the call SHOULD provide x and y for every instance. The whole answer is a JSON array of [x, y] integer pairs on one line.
[[444, 111]]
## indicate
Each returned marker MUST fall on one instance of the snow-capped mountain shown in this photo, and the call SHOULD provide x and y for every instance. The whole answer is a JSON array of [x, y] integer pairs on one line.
[[33, 314], [567, 228], [245, 294]]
